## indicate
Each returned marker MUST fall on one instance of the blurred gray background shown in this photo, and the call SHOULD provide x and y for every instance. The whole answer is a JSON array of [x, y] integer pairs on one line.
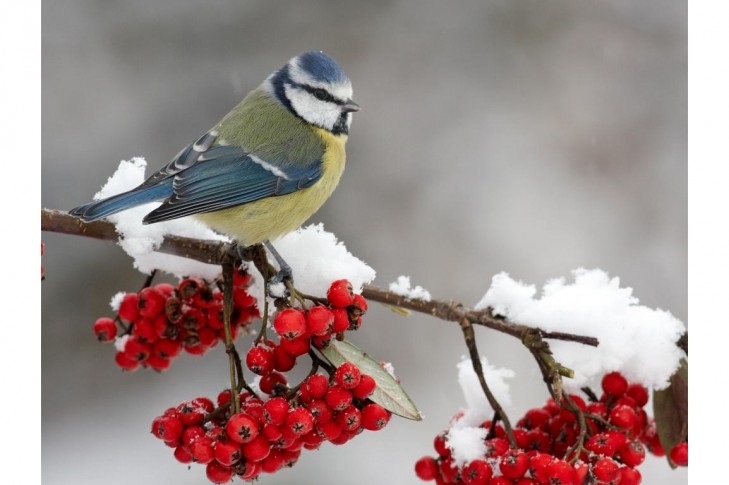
[[519, 135]]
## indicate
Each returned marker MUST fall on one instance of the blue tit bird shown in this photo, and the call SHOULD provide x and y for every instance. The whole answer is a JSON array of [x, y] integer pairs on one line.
[[265, 168]]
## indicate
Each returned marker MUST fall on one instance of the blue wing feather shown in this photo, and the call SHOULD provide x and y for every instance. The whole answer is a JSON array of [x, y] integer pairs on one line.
[[227, 176], [204, 178]]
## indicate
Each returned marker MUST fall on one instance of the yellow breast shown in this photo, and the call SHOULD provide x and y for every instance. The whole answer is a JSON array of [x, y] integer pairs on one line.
[[272, 217]]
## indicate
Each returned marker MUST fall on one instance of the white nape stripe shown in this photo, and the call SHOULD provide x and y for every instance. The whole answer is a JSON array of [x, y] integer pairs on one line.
[[341, 90], [274, 170]]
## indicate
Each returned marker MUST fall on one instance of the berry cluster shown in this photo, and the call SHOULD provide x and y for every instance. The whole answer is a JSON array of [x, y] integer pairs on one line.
[[266, 436], [617, 428], [300, 329], [162, 321]]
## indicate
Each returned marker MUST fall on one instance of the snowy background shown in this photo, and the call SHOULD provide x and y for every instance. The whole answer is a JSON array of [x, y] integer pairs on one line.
[[523, 136]]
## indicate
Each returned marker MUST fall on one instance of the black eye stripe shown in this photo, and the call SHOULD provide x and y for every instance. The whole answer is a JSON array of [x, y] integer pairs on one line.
[[322, 94]]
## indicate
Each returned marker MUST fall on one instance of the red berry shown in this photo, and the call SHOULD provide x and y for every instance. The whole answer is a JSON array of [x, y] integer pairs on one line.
[[317, 386], [538, 464], [478, 472], [151, 302], [338, 398], [439, 444], [365, 388], [299, 421], [290, 323], [340, 294], [614, 384], [202, 450], [241, 428], [514, 464], [319, 320], [629, 476], [360, 304], [158, 363], [341, 320], [496, 447], [217, 473], [329, 429], [322, 341], [298, 346], [192, 319], [190, 435], [679, 454], [128, 309], [105, 329], [349, 418], [347, 375], [260, 360], [426, 468], [623, 417], [182, 455], [275, 410], [167, 428], [603, 444], [144, 331], [136, 350], [536, 439], [638, 393], [320, 410], [374, 417], [273, 383], [227, 453], [559, 472], [273, 462], [283, 361], [632, 454], [257, 449], [500, 481], [606, 470], [189, 287], [536, 418]]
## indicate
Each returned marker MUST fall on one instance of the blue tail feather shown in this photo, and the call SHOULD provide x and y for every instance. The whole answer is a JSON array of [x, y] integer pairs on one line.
[[117, 203]]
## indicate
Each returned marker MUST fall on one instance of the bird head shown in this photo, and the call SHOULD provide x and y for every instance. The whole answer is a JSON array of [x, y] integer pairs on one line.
[[314, 88]]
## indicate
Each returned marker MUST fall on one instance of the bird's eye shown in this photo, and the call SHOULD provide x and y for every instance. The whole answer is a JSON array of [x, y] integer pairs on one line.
[[321, 94]]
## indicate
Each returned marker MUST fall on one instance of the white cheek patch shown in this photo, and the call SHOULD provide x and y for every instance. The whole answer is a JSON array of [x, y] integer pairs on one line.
[[316, 112], [341, 90]]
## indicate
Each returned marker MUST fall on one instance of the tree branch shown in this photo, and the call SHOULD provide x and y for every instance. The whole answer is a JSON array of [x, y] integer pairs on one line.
[[216, 252]]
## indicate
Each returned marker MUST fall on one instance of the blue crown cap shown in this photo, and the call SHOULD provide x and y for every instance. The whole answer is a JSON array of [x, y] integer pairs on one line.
[[321, 66]]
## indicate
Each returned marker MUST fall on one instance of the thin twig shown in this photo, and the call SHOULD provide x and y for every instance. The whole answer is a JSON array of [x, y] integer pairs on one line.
[[229, 348], [470, 338]]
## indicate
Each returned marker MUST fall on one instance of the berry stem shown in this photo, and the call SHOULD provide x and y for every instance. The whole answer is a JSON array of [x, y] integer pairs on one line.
[[229, 347], [492, 428], [148, 280], [264, 319], [470, 338], [590, 394]]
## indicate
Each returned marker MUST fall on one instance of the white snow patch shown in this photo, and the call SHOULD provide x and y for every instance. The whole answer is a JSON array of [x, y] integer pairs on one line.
[[317, 258], [121, 342], [478, 408], [116, 300], [637, 341], [402, 287], [467, 444], [140, 241]]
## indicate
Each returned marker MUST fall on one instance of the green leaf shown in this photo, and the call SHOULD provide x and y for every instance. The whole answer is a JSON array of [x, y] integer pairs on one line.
[[388, 393], [670, 408]]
